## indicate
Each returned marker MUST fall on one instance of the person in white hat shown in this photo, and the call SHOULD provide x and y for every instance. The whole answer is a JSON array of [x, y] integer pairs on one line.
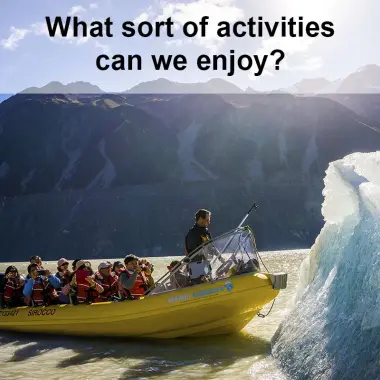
[[108, 281]]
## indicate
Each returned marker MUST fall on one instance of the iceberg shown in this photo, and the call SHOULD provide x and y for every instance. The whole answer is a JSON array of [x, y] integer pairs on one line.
[[333, 329]]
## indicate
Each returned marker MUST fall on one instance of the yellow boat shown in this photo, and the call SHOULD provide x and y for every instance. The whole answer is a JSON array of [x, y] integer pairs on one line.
[[221, 306]]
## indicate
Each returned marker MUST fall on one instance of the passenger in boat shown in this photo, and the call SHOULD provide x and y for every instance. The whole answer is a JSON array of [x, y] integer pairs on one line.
[[132, 280], [63, 272], [41, 287], [148, 269], [73, 266], [117, 268], [14, 284], [35, 260], [108, 281], [198, 234], [64, 275], [178, 279], [87, 289]]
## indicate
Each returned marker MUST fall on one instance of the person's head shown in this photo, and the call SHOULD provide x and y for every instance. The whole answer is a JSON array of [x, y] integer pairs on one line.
[[203, 217], [131, 262], [173, 264], [105, 268], [33, 270], [11, 272], [62, 265], [74, 264], [80, 265], [36, 260], [117, 267]]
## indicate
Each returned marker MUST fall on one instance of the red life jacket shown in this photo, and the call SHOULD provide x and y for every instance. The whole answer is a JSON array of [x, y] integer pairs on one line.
[[110, 285], [140, 286], [43, 293], [84, 291], [13, 291]]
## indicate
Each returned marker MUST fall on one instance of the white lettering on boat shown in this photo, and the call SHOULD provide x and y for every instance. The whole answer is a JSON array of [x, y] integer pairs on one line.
[[202, 293], [185, 297], [33, 313], [9, 313]]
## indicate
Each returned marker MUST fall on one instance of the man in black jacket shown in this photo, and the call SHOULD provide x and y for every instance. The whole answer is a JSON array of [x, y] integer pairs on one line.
[[198, 234]]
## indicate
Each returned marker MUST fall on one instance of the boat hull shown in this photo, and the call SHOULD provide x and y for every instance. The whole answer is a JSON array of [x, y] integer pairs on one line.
[[222, 307]]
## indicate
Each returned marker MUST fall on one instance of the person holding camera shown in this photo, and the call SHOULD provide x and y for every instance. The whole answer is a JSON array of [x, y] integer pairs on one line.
[[41, 287], [133, 280]]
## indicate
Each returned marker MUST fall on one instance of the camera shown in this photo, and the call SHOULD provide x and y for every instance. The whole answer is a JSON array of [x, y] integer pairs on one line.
[[41, 272]]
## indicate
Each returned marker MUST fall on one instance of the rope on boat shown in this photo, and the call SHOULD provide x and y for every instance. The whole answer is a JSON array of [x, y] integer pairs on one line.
[[262, 315]]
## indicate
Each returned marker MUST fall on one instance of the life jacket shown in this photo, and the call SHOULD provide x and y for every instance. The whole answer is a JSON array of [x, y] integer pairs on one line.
[[13, 291], [43, 293], [139, 288], [109, 284], [84, 291], [65, 278]]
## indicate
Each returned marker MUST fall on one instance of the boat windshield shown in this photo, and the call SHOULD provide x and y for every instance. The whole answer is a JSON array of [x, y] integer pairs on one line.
[[230, 254]]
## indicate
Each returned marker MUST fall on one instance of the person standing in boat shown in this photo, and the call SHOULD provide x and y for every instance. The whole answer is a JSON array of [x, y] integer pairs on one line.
[[199, 266], [198, 234]]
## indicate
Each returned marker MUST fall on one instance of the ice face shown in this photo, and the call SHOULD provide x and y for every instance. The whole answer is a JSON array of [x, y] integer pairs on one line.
[[333, 331]]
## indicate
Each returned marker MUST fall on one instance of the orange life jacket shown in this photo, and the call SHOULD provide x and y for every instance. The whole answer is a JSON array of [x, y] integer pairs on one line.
[[109, 284], [84, 291], [43, 293], [13, 291], [140, 286]]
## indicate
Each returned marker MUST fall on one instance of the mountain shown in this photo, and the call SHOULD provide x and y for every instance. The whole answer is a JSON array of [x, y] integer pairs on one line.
[[103, 175], [366, 80], [56, 87], [360, 92], [308, 86], [4, 97], [165, 86]]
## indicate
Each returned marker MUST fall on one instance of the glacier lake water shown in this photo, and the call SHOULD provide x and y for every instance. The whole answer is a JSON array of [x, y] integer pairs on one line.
[[246, 355]]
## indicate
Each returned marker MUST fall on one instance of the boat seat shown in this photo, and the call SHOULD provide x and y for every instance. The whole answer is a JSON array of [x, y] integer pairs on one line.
[[197, 269]]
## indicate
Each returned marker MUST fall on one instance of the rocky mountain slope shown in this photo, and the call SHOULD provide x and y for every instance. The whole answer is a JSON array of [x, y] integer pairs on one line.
[[102, 175]]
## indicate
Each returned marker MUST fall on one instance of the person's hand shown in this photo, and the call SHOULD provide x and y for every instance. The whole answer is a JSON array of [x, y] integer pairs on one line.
[[22, 282], [47, 273], [90, 280]]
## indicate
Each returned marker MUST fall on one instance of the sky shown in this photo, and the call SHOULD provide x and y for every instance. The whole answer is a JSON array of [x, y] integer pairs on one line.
[[29, 57]]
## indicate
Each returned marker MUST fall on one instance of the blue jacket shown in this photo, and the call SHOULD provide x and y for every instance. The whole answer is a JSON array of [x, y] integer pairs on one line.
[[28, 288]]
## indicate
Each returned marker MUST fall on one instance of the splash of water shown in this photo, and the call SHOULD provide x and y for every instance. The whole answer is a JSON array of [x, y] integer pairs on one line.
[[333, 331]]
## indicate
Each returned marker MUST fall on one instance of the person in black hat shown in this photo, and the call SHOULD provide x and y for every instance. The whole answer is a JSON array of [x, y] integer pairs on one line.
[[118, 267]]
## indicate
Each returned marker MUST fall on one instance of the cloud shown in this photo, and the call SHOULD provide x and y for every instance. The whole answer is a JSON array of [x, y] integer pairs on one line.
[[40, 29], [76, 9], [265, 73], [93, 6], [295, 49], [145, 16], [11, 43], [104, 48], [180, 13], [310, 64]]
